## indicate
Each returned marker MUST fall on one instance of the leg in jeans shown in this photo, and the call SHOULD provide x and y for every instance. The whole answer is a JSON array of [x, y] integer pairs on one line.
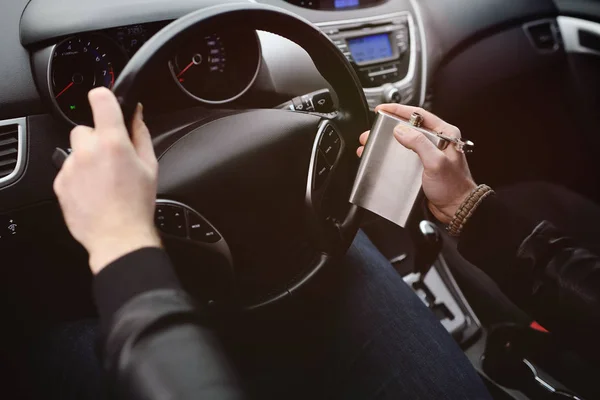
[[368, 337], [387, 344]]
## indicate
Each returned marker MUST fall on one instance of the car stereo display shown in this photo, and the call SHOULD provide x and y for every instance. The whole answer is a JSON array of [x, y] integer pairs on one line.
[[370, 48], [345, 3]]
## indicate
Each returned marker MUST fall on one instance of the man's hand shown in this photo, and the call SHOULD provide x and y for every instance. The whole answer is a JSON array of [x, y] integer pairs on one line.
[[107, 186], [447, 180]]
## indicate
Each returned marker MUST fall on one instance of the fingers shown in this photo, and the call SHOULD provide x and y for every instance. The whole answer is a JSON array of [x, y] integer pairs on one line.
[[106, 111], [364, 137], [79, 135], [451, 131], [430, 121], [363, 141], [430, 155], [59, 181], [142, 141]]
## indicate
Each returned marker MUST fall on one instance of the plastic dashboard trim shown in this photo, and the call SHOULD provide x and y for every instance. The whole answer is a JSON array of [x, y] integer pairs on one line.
[[424, 49], [412, 66]]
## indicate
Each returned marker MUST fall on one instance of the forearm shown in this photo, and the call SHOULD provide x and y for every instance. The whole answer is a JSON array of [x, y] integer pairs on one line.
[[490, 240], [136, 273], [157, 343], [565, 295], [542, 271]]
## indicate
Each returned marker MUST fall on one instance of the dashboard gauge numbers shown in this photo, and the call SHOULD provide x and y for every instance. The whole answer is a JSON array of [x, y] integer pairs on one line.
[[78, 65], [217, 57], [198, 62], [214, 57], [217, 67], [194, 63]]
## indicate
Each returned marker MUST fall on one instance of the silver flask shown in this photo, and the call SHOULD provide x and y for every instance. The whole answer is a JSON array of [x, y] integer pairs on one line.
[[389, 177]]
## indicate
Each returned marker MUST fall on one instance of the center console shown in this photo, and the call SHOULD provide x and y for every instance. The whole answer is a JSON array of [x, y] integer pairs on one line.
[[383, 52]]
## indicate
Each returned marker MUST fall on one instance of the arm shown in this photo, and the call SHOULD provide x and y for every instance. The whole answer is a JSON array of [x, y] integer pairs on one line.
[[543, 272], [157, 342], [158, 345]]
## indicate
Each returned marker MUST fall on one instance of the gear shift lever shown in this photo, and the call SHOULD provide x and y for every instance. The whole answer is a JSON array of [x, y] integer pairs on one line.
[[428, 245]]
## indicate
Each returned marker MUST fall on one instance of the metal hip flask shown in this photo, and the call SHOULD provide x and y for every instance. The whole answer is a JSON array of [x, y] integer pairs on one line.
[[389, 177]]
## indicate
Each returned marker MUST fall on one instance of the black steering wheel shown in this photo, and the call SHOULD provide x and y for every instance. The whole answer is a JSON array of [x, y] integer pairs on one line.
[[274, 184]]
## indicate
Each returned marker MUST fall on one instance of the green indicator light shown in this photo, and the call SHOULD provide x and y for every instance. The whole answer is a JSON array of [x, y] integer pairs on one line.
[[72, 107]]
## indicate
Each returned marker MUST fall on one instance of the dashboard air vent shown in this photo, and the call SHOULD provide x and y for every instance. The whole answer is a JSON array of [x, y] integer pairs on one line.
[[543, 35], [9, 149], [589, 40], [12, 145]]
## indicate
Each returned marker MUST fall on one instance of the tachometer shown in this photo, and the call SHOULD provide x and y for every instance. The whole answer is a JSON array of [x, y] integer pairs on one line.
[[80, 64], [218, 67]]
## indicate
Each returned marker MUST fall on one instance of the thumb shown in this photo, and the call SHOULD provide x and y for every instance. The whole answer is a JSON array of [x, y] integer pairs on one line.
[[430, 155], [140, 136]]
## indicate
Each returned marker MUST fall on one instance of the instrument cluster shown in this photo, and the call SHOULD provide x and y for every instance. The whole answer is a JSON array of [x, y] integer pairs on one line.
[[209, 67]]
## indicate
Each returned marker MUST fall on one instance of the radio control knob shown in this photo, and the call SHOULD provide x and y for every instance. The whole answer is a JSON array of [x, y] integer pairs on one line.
[[392, 95]]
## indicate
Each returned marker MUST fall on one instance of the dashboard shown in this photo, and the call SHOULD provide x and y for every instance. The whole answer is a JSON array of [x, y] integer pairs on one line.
[[399, 49], [437, 28], [216, 67], [210, 67]]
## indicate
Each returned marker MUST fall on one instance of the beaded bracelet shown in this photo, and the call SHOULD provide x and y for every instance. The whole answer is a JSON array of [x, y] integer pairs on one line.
[[467, 208]]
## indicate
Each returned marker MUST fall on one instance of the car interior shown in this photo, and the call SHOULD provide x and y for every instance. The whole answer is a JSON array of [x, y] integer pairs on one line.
[[255, 108]]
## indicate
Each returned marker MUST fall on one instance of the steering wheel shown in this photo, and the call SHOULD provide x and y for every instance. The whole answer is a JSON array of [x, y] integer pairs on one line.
[[272, 185]]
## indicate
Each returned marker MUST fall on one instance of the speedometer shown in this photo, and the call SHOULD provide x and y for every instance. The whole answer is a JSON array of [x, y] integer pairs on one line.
[[197, 63], [80, 64], [217, 67]]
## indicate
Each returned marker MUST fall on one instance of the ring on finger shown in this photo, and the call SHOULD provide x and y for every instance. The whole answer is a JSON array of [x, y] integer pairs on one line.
[[416, 120], [461, 146]]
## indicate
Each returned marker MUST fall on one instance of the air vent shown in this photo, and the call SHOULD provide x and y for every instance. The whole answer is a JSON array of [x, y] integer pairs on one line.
[[12, 141], [589, 40], [543, 35]]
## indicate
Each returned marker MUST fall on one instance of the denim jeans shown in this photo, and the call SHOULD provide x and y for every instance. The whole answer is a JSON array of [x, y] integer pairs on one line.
[[367, 336]]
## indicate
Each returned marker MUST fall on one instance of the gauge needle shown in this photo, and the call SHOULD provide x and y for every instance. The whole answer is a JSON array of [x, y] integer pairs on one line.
[[64, 90], [185, 69]]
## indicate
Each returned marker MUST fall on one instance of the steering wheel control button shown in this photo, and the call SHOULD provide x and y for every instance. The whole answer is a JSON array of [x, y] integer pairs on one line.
[[330, 145], [319, 101], [196, 225], [298, 104], [308, 105], [321, 171], [323, 102], [170, 220], [200, 230]]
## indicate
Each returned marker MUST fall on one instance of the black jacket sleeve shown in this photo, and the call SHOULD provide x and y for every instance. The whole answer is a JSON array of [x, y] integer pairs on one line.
[[542, 271], [157, 343]]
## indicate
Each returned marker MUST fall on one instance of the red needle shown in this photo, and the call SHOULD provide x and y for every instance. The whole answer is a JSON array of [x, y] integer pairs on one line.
[[64, 90], [185, 69]]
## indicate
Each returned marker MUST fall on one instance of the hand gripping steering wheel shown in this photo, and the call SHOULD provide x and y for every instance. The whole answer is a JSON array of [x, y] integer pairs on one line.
[[274, 183]]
